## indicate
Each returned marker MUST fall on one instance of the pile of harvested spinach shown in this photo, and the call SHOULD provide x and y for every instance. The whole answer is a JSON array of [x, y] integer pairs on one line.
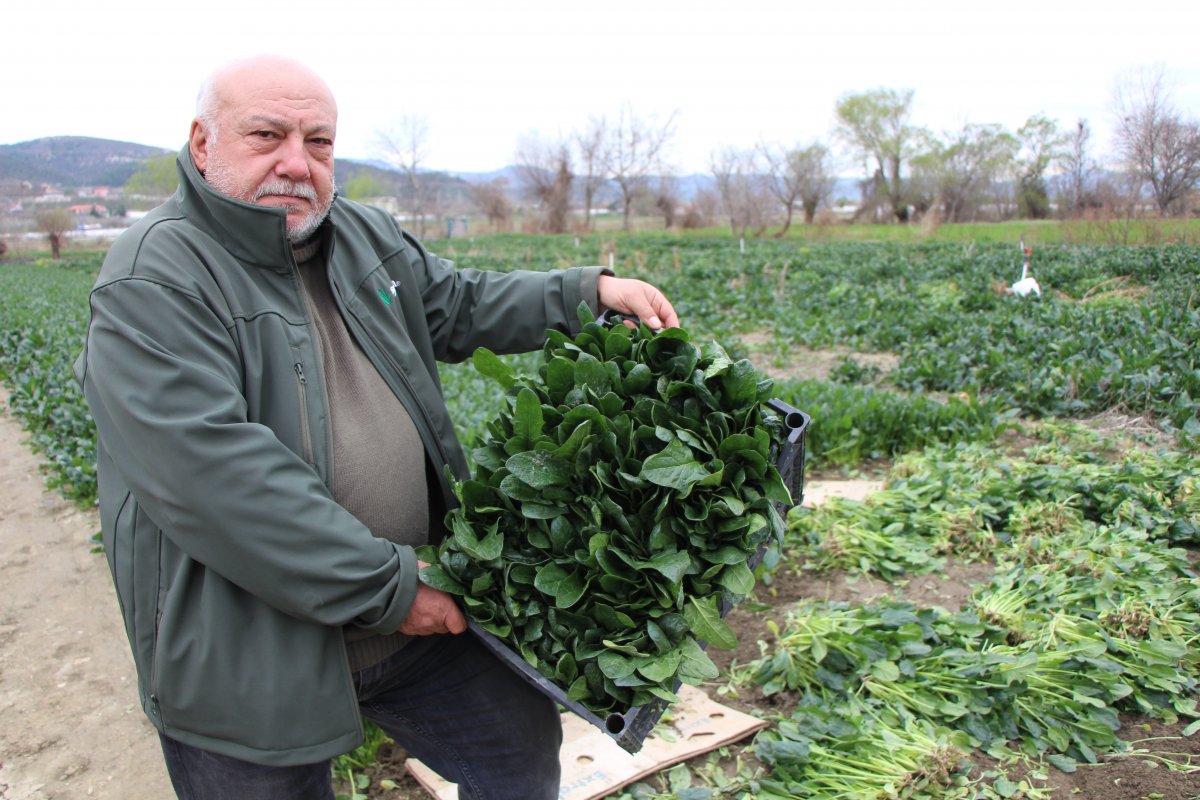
[[615, 501]]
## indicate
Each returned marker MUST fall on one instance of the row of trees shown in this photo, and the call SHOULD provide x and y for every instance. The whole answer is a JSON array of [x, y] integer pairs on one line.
[[981, 171], [555, 175]]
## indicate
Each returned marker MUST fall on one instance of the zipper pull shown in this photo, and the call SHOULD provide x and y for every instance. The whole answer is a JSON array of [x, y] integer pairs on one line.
[[300, 373]]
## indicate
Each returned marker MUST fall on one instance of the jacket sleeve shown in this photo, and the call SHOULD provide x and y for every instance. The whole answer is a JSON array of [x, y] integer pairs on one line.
[[506, 312], [162, 376]]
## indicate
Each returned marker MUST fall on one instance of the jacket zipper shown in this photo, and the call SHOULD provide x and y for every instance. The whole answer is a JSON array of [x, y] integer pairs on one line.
[[305, 430], [315, 338], [159, 599]]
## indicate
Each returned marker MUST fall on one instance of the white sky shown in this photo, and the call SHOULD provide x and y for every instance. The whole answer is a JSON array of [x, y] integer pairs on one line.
[[485, 73]]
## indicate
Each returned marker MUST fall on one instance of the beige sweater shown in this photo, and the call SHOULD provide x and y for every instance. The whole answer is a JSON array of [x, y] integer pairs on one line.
[[378, 471]]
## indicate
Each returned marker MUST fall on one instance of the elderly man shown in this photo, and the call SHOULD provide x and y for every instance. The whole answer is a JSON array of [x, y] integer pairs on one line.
[[261, 366]]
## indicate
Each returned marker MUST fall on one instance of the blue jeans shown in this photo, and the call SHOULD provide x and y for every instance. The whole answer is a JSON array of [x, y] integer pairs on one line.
[[446, 700]]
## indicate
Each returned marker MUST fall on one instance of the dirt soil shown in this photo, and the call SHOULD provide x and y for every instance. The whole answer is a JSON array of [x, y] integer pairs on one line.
[[70, 725], [803, 363]]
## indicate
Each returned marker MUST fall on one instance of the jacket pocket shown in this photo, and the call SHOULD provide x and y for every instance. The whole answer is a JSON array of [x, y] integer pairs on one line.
[[133, 544], [305, 428]]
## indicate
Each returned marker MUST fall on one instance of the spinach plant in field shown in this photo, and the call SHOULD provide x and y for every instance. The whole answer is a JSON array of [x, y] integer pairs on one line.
[[616, 500]]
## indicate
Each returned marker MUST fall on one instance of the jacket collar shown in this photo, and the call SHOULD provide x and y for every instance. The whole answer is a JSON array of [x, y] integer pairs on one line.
[[252, 233]]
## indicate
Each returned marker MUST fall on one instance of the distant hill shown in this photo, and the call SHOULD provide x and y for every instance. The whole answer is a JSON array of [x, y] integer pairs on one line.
[[74, 160]]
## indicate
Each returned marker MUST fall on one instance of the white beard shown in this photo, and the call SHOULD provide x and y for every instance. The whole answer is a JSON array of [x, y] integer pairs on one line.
[[222, 178]]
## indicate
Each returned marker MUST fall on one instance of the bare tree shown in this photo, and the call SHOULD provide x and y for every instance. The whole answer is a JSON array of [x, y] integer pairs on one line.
[[876, 124], [803, 174], [635, 147], [591, 151], [546, 177], [491, 198], [404, 144], [666, 197], [703, 209], [1078, 169], [1157, 144], [743, 189], [55, 223]]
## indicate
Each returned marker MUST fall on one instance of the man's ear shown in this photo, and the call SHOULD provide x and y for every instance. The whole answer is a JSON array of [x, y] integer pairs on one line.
[[198, 141]]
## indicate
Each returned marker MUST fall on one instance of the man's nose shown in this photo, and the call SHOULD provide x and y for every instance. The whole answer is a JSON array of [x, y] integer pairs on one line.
[[292, 163]]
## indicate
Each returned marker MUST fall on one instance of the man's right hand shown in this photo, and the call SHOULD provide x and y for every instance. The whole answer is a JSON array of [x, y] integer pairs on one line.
[[432, 612]]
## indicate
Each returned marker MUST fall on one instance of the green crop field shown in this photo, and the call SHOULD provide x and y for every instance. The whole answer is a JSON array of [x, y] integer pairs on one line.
[[1015, 615]]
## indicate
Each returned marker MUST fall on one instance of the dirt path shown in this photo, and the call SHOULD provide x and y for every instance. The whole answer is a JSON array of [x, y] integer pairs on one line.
[[70, 725]]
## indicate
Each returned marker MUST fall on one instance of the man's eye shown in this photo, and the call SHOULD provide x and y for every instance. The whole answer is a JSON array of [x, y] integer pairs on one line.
[[264, 134]]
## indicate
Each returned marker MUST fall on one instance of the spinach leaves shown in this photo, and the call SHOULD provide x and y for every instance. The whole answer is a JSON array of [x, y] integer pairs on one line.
[[615, 502]]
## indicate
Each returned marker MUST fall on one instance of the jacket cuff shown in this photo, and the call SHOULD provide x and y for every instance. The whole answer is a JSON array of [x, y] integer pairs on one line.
[[589, 291], [406, 593]]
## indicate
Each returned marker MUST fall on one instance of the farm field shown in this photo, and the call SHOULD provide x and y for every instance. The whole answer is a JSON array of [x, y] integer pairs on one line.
[[1016, 613]]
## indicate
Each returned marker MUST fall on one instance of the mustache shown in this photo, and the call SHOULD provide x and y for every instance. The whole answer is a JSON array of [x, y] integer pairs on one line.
[[286, 188]]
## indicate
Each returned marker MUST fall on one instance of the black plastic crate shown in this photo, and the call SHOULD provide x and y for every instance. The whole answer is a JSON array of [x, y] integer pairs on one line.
[[630, 729]]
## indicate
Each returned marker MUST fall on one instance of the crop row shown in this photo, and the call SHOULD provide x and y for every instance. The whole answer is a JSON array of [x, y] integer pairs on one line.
[[1115, 327], [1090, 613], [43, 311]]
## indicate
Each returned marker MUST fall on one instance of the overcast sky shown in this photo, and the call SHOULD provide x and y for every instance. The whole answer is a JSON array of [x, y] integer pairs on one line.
[[483, 73]]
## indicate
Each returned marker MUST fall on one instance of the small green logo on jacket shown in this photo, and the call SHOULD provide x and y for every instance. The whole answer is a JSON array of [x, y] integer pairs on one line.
[[387, 296]]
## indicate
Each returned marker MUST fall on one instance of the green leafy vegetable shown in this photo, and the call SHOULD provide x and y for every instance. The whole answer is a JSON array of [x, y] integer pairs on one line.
[[615, 502]]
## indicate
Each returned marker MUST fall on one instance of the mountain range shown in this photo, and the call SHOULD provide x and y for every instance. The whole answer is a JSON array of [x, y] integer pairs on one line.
[[74, 160]]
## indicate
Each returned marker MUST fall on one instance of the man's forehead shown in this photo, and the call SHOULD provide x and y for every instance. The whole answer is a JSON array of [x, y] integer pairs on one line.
[[286, 88]]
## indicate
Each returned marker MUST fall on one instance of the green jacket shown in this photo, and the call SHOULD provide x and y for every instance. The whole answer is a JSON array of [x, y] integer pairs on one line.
[[235, 569]]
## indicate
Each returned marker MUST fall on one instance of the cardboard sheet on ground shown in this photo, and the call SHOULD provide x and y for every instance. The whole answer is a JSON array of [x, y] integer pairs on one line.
[[817, 492], [593, 765]]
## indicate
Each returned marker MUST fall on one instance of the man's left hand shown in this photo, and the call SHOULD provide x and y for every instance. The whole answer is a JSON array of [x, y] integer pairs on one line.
[[637, 298]]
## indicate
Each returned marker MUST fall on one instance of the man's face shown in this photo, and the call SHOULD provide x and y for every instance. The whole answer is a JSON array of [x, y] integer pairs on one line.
[[273, 145]]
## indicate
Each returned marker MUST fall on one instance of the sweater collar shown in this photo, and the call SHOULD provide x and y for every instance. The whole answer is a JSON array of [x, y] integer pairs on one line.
[[251, 233], [308, 249]]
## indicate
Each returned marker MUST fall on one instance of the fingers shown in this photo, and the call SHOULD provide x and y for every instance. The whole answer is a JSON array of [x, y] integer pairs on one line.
[[433, 612], [455, 621], [638, 298], [662, 314]]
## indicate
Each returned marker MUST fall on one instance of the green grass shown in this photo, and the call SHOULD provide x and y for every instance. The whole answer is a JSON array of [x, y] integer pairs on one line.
[[1114, 231]]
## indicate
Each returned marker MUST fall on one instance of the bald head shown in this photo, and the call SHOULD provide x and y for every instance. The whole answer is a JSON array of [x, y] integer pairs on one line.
[[227, 80], [263, 134]]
